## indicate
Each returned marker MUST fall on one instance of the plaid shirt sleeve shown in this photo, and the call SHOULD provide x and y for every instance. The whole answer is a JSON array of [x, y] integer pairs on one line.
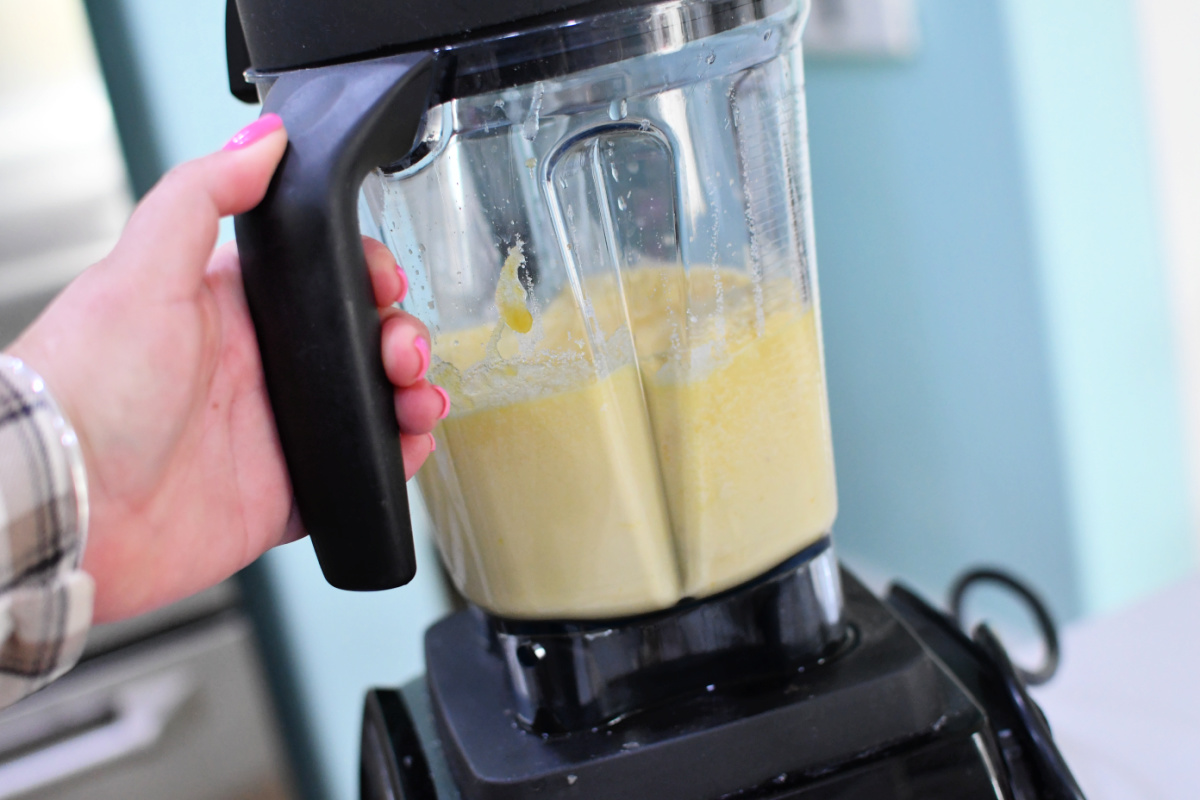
[[45, 598]]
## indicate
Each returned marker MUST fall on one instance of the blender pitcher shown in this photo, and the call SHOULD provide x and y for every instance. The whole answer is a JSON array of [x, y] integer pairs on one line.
[[603, 207], [606, 223]]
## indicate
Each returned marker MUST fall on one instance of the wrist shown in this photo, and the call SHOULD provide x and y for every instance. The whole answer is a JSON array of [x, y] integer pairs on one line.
[[33, 398]]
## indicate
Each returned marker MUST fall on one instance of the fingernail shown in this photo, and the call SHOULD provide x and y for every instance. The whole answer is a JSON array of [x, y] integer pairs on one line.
[[432, 443], [423, 351], [255, 131], [403, 282], [445, 402]]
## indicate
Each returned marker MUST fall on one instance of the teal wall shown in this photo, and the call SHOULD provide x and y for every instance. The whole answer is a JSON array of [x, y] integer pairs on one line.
[[1088, 180], [942, 400], [999, 359]]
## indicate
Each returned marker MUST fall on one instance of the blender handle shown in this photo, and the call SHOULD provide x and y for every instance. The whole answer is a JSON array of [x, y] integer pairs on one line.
[[311, 301]]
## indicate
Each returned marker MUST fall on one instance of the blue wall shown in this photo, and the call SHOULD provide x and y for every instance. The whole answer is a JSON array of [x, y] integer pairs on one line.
[[942, 401], [1102, 278], [1000, 363]]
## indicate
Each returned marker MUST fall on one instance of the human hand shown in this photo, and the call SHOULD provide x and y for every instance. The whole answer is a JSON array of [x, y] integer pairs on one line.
[[152, 356]]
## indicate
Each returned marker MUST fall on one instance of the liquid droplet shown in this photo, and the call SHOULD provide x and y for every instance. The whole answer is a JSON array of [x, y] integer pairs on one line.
[[621, 204], [618, 110], [571, 779], [529, 129], [615, 172], [712, 58], [766, 36]]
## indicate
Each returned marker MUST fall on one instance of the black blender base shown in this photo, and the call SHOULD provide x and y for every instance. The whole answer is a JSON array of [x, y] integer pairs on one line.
[[415, 768], [884, 719]]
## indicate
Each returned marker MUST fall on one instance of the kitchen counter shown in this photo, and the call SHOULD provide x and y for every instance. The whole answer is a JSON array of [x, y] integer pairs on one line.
[[1125, 705]]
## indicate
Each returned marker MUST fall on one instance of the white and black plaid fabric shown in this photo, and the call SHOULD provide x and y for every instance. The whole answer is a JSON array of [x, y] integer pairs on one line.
[[45, 598]]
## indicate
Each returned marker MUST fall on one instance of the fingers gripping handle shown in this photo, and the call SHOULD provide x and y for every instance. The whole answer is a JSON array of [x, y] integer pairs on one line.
[[310, 297]]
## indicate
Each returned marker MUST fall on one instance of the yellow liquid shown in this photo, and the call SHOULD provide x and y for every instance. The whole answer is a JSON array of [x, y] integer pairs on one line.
[[746, 457], [511, 298], [569, 483]]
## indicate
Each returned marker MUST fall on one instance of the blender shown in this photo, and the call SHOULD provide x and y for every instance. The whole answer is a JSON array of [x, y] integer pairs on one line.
[[604, 210]]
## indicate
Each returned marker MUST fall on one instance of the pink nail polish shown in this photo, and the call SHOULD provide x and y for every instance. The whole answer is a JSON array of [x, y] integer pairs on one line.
[[445, 402], [432, 443], [403, 282], [423, 351], [255, 131]]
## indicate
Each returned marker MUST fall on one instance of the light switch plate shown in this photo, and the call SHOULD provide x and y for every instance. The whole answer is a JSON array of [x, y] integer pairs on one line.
[[868, 29]]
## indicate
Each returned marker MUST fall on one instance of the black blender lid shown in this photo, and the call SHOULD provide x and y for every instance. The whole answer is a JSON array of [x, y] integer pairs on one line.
[[486, 44], [290, 34]]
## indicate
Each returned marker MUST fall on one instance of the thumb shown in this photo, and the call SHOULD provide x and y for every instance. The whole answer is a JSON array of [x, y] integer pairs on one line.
[[174, 229]]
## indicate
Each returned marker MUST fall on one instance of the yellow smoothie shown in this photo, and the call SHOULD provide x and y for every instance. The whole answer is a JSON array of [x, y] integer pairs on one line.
[[674, 446]]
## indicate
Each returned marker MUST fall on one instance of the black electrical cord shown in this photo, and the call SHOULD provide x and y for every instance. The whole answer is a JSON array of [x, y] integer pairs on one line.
[[1049, 631]]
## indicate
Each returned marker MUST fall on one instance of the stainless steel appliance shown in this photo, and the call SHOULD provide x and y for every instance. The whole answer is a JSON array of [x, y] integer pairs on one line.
[[172, 704]]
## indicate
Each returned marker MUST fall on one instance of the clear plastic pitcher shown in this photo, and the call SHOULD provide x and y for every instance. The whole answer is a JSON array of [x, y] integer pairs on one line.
[[606, 223], [616, 266]]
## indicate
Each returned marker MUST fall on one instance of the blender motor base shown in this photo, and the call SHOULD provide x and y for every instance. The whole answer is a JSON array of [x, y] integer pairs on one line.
[[882, 720]]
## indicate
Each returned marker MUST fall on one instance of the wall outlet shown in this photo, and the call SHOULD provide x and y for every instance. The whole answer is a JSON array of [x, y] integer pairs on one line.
[[869, 29]]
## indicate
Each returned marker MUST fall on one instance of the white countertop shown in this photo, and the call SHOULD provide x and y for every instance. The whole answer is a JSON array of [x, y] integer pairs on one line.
[[1125, 705]]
